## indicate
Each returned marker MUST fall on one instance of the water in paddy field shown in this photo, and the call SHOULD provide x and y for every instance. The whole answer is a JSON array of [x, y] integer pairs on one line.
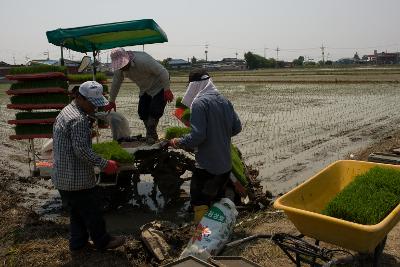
[[290, 131]]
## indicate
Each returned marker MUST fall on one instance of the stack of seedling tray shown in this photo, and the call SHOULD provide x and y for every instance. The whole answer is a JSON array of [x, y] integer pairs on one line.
[[40, 92]]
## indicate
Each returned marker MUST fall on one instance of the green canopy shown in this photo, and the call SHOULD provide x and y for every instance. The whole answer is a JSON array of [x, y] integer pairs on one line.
[[107, 36]]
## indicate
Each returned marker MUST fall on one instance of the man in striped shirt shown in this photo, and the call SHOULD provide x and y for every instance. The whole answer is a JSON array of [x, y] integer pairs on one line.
[[73, 169]]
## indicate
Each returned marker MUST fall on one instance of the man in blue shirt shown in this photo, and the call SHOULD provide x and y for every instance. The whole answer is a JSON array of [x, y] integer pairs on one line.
[[213, 122]]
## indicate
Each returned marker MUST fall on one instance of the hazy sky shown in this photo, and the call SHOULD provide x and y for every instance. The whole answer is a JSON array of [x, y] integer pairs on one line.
[[297, 27]]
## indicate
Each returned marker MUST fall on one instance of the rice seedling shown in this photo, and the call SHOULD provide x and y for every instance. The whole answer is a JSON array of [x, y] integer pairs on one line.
[[39, 84], [178, 103], [36, 115], [38, 69], [368, 199], [238, 166], [176, 132], [40, 99], [33, 129], [113, 151], [80, 78]]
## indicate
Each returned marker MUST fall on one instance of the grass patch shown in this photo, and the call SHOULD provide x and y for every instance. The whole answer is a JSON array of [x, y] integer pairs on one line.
[[238, 166], [112, 150], [36, 115], [176, 132], [368, 199], [33, 129], [37, 69], [40, 84], [40, 99]]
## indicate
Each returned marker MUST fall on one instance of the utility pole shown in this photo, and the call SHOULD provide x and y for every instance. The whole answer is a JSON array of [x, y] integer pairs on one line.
[[47, 53], [265, 48], [206, 51], [14, 59], [277, 53], [236, 54], [323, 54]]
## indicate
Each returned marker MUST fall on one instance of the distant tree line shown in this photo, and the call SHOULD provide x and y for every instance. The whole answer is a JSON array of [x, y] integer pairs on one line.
[[255, 61]]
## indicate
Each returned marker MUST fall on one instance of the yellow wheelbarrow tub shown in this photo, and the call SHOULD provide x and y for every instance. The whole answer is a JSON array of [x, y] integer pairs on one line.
[[304, 203]]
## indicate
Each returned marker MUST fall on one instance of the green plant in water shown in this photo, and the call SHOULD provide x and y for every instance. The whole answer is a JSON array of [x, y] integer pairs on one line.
[[38, 69], [368, 199], [113, 151]]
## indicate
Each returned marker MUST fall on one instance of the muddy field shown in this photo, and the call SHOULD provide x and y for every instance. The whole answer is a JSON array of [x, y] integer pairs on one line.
[[290, 131]]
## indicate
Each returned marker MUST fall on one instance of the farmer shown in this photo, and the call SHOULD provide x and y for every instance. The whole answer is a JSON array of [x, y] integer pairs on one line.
[[213, 122], [73, 169], [153, 82]]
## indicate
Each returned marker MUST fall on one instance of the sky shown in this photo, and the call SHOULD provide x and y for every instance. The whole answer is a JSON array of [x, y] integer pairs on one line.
[[229, 28]]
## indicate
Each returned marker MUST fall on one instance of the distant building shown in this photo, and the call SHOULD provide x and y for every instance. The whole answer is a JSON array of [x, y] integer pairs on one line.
[[178, 64], [384, 58], [345, 61], [72, 66]]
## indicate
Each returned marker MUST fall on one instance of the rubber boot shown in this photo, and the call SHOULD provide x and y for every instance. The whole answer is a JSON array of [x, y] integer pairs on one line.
[[199, 212], [151, 130]]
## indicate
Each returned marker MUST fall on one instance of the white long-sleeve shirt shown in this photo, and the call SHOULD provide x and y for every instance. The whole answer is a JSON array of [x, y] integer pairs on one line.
[[149, 75]]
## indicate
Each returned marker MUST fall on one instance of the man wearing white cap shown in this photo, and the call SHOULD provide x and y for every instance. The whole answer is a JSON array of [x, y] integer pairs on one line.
[[73, 169], [153, 82]]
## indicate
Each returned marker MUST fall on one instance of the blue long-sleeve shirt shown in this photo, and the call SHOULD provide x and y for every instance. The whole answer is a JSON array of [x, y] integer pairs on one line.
[[213, 122]]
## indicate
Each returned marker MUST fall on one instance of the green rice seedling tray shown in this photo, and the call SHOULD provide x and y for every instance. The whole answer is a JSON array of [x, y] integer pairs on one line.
[[176, 132], [113, 151], [40, 99], [38, 69], [30, 136], [36, 115], [379, 187], [80, 78], [36, 91], [238, 168], [37, 76], [40, 84], [35, 106], [32, 121], [33, 129]]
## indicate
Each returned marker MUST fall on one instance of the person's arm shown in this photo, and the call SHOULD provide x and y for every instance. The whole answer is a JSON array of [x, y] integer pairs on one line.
[[116, 85], [198, 124], [236, 124], [80, 136]]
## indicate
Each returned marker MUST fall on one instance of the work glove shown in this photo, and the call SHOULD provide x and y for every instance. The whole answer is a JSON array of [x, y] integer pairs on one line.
[[174, 142], [110, 106], [111, 167], [168, 96]]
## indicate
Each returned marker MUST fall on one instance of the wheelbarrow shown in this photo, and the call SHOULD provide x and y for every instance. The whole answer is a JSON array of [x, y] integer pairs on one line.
[[304, 203]]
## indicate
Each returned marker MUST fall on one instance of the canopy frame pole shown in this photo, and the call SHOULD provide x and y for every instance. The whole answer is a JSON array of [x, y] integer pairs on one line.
[[62, 55], [94, 64]]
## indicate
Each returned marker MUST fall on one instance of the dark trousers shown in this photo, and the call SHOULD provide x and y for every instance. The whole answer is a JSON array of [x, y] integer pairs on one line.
[[151, 106], [86, 218], [206, 188]]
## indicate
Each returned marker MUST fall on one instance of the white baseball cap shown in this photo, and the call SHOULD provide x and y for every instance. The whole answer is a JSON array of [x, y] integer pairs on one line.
[[93, 92]]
